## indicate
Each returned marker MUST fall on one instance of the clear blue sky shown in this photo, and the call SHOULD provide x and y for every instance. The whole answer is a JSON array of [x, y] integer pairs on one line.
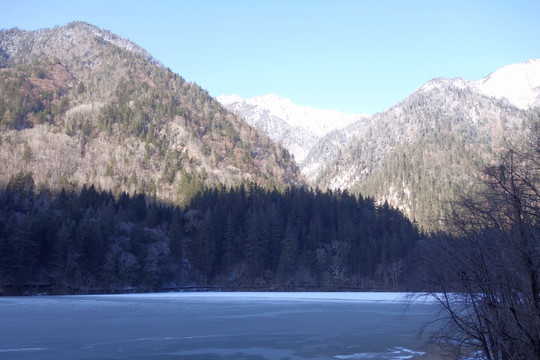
[[353, 56]]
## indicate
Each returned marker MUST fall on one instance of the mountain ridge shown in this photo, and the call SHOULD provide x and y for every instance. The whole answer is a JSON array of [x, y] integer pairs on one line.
[[17, 42], [89, 107], [299, 127], [451, 118], [446, 121], [519, 83]]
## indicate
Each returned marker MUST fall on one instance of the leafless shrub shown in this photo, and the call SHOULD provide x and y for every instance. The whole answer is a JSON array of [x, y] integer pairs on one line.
[[486, 275]]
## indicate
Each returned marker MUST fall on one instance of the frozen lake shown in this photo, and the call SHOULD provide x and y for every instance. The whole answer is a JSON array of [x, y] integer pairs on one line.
[[208, 326]]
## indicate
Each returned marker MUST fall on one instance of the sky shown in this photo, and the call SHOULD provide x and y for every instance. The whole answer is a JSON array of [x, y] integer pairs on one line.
[[353, 56]]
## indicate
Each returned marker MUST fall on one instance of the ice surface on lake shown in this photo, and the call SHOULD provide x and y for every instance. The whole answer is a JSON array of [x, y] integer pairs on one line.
[[22, 349], [396, 297], [397, 353], [338, 296], [212, 326]]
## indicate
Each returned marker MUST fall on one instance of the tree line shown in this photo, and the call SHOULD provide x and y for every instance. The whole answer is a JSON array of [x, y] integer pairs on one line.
[[234, 238], [298, 238]]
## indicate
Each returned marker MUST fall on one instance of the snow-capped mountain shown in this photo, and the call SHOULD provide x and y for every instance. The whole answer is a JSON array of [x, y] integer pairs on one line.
[[298, 128], [418, 154], [518, 83]]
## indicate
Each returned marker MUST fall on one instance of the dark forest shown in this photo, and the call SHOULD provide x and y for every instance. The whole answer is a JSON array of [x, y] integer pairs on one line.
[[243, 237]]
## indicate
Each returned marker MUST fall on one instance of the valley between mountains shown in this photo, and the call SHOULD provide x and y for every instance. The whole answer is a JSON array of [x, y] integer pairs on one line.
[[119, 174]]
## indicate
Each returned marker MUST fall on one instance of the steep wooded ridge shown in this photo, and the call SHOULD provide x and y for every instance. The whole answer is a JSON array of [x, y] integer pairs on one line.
[[80, 105], [425, 150]]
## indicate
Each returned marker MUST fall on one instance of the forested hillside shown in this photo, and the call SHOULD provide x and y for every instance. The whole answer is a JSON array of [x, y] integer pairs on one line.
[[79, 105], [425, 151], [243, 237]]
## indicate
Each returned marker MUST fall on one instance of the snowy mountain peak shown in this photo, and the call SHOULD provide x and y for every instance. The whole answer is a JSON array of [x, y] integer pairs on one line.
[[269, 101], [298, 128], [441, 83], [318, 121], [518, 83]]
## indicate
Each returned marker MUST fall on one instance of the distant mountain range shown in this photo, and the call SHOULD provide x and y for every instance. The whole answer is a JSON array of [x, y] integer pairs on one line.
[[80, 105], [417, 155]]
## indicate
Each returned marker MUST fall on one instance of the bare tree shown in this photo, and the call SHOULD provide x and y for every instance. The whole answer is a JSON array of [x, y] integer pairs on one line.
[[486, 274]]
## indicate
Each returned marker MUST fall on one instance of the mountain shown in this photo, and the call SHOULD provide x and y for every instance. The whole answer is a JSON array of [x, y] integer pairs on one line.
[[517, 83], [422, 152], [80, 105], [297, 128], [425, 151]]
